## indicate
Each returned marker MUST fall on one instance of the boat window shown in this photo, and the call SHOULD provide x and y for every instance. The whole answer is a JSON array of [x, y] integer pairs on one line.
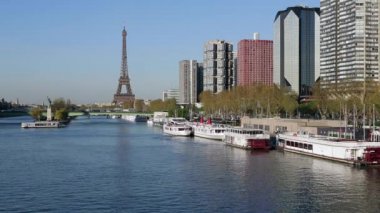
[[310, 147], [287, 143], [300, 145], [305, 146], [292, 143], [296, 144]]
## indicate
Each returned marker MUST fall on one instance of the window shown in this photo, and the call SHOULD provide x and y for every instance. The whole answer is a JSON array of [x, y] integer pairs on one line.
[[310, 147]]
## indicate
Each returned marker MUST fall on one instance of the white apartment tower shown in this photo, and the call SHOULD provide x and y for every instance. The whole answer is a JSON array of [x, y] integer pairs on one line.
[[349, 41], [218, 72]]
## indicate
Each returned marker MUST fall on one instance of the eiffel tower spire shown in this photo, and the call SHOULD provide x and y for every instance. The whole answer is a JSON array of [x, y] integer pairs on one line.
[[120, 98]]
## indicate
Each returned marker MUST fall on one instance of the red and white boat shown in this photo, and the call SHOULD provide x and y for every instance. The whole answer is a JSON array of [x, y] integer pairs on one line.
[[247, 138], [332, 148]]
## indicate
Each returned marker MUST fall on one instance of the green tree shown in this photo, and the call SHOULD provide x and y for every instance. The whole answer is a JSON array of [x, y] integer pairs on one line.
[[61, 114], [139, 105], [36, 113], [57, 104]]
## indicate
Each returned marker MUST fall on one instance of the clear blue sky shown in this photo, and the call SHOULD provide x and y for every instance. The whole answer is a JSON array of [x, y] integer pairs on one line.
[[72, 48]]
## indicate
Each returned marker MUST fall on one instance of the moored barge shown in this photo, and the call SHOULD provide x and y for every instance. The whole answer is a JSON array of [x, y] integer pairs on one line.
[[247, 138], [331, 148]]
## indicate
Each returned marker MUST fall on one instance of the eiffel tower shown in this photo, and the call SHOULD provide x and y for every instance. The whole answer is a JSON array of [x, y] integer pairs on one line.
[[120, 98]]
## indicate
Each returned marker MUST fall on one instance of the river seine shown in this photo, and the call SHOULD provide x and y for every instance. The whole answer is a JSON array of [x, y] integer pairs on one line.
[[107, 165]]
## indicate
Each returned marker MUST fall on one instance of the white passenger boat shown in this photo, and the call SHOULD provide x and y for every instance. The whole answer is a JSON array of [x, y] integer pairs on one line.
[[332, 148], [159, 118], [177, 127], [247, 138], [42, 124], [116, 116], [209, 130]]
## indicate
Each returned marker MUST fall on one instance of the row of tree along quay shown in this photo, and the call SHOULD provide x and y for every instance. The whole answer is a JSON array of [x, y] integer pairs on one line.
[[256, 101], [353, 101], [356, 102]]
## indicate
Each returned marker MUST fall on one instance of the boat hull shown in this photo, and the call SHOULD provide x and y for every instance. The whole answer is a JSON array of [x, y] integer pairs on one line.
[[177, 130], [351, 152], [245, 139], [135, 118], [42, 124], [209, 132]]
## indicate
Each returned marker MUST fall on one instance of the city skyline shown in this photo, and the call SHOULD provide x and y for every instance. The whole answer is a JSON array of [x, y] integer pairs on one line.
[[72, 49]]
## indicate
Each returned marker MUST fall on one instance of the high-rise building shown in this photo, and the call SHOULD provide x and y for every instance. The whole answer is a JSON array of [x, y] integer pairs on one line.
[[296, 49], [254, 62], [235, 63], [188, 73], [349, 41], [218, 66], [199, 80], [170, 94]]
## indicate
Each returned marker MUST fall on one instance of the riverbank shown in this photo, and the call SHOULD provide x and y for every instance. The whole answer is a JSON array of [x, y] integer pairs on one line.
[[7, 114]]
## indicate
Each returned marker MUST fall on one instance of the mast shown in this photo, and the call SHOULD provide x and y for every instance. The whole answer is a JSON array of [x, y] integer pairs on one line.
[[345, 120], [354, 130], [364, 123]]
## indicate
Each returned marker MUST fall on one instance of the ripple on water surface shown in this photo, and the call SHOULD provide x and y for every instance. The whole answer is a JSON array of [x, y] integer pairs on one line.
[[98, 165]]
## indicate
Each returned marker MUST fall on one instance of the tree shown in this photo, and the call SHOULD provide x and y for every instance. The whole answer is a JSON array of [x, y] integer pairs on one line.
[[158, 106], [36, 113], [139, 105], [128, 104], [61, 114], [57, 104], [289, 103]]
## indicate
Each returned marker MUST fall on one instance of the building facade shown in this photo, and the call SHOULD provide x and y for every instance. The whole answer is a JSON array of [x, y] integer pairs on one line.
[[188, 75], [296, 49], [199, 80], [170, 94], [218, 66], [349, 41], [254, 62]]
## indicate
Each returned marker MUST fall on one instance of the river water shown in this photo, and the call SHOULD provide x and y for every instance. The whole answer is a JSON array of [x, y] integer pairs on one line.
[[107, 165]]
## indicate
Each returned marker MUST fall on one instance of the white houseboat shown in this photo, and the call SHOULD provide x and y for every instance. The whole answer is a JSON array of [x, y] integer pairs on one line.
[[209, 130], [159, 118], [42, 124], [177, 127], [332, 148], [247, 138]]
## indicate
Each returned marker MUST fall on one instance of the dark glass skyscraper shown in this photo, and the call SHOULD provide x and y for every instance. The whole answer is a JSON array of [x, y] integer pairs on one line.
[[296, 49]]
